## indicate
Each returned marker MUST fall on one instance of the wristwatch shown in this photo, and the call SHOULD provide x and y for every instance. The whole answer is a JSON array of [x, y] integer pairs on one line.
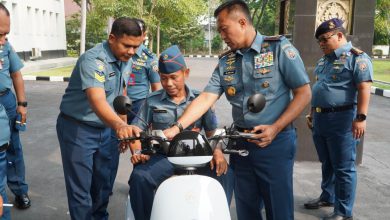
[[24, 104], [178, 125], [361, 117]]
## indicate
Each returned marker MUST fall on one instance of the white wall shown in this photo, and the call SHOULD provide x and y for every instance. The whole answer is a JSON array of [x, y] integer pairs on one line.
[[37, 24], [383, 48]]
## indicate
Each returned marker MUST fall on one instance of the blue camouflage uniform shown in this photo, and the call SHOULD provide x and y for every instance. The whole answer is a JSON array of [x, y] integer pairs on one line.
[[9, 64], [4, 141], [160, 111], [337, 76], [143, 72], [84, 139], [273, 67]]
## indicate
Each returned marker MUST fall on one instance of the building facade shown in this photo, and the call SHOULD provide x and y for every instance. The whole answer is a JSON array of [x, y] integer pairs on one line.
[[37, 28]]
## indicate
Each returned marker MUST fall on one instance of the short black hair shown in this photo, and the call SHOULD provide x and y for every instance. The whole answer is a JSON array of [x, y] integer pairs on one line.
[[3, 8], [142, 24], [232, 5], [127, 26]]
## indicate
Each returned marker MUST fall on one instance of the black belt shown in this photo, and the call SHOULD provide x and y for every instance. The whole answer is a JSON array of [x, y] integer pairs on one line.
[[248, 130], [4, 92], [70, 118], [4, 147], [332, 109]]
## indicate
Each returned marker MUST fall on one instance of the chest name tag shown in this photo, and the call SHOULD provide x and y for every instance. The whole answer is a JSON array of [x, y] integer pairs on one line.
[[156, 110], [111, 74], [264, 60]]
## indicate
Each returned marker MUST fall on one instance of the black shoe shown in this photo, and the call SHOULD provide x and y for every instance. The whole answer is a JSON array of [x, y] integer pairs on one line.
[[22, 201], [317, 203], [335, 216]]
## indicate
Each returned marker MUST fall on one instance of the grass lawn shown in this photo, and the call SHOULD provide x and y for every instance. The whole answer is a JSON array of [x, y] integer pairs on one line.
[[381, 72], [63, 71]]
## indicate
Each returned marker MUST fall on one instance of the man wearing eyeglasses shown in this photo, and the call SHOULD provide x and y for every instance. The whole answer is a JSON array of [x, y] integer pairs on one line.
[[340, 101]]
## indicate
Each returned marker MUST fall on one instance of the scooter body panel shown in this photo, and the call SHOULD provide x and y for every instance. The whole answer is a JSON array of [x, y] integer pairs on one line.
[[190, 197]]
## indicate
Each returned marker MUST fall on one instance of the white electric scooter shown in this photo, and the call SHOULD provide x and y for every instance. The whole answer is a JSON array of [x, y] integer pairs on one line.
[[190, 196]]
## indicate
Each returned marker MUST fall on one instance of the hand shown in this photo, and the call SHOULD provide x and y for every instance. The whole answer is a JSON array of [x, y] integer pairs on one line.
[[124, 131], [171, 132], [23, 111], [139, 158], [219, 162], [309, 121], [266, 135], [1, 206], [358, 128]]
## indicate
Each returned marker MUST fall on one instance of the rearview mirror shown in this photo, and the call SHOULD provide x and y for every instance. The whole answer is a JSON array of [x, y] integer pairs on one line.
[[122, 104], [256, 103]]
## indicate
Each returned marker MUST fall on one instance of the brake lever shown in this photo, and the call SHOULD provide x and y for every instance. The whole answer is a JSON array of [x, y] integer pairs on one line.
[[242, 153]]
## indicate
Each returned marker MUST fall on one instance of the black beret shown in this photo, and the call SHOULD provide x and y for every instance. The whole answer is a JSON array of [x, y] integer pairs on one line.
[[329, 25]]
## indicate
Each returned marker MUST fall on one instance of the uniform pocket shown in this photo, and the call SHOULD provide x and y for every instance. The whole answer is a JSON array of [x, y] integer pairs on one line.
[[264, 80], [162, 120], [340, 74], [110, 83]]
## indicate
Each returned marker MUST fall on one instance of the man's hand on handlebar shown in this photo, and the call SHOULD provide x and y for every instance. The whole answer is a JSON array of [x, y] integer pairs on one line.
[[124, 131], [264, 134], [219, 162], [171, 132]]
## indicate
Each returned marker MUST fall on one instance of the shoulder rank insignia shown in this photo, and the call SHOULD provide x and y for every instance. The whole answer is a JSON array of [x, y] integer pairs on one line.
[[99, 76], [356, 51], [273, 38], [225, 53]]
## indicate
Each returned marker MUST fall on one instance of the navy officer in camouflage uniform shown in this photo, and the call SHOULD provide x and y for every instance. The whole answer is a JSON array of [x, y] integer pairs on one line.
[[87, 118], [16, 106], [273, 67], [340, 101], [162, 108], [143, 76]]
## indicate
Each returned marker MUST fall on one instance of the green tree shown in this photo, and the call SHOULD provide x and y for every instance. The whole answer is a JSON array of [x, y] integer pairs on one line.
[[166, 14], [382, 23], [73, 35], [216, 43]]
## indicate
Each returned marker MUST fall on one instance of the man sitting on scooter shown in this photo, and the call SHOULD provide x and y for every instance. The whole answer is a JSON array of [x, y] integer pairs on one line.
[[161, 109]]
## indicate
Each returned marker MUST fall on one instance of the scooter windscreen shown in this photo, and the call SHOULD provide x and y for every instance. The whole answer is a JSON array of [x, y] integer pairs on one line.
[[189, 149]]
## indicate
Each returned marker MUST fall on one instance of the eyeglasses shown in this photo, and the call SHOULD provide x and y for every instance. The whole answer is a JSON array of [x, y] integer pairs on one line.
[[325, 39]]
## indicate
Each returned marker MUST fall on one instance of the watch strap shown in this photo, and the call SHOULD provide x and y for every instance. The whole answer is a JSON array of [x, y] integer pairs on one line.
[[180, 126], [24, 104]]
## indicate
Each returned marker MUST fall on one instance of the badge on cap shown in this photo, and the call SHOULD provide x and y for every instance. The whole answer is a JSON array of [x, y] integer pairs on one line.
[[231, 91], [334, 77], [331, 25]]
